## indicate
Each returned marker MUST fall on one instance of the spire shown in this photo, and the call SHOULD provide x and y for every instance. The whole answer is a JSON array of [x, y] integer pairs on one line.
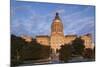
[[57, 16]]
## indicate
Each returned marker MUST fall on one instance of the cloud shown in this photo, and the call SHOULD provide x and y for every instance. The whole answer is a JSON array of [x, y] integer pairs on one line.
[[32, 21], [32, 25]]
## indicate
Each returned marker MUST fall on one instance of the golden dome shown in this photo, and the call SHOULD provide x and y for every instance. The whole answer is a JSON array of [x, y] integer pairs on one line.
[[57, 25]]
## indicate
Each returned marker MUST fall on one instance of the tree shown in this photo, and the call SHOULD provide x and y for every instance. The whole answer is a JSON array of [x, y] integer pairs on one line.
[[78, 46], [35, 51], [22, 50], [65, 52], [89, 53], [16, 48]]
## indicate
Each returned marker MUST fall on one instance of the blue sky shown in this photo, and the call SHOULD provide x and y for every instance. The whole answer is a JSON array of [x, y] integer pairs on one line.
[[33, 18]]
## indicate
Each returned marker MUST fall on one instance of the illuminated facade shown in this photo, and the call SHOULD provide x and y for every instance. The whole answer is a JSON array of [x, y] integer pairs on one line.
[[87, 40]]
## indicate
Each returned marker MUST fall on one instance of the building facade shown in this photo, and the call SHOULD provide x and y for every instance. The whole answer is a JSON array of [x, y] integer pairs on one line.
[[57, 37]]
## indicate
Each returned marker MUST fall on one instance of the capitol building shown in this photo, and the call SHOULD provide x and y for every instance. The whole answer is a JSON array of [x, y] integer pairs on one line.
[[57, 37]]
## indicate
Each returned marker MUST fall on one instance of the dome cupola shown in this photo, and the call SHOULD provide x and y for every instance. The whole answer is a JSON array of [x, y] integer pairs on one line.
[[57, 26]]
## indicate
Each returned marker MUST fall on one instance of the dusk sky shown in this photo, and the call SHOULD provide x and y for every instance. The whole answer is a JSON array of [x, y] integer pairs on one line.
[[33, 18]]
